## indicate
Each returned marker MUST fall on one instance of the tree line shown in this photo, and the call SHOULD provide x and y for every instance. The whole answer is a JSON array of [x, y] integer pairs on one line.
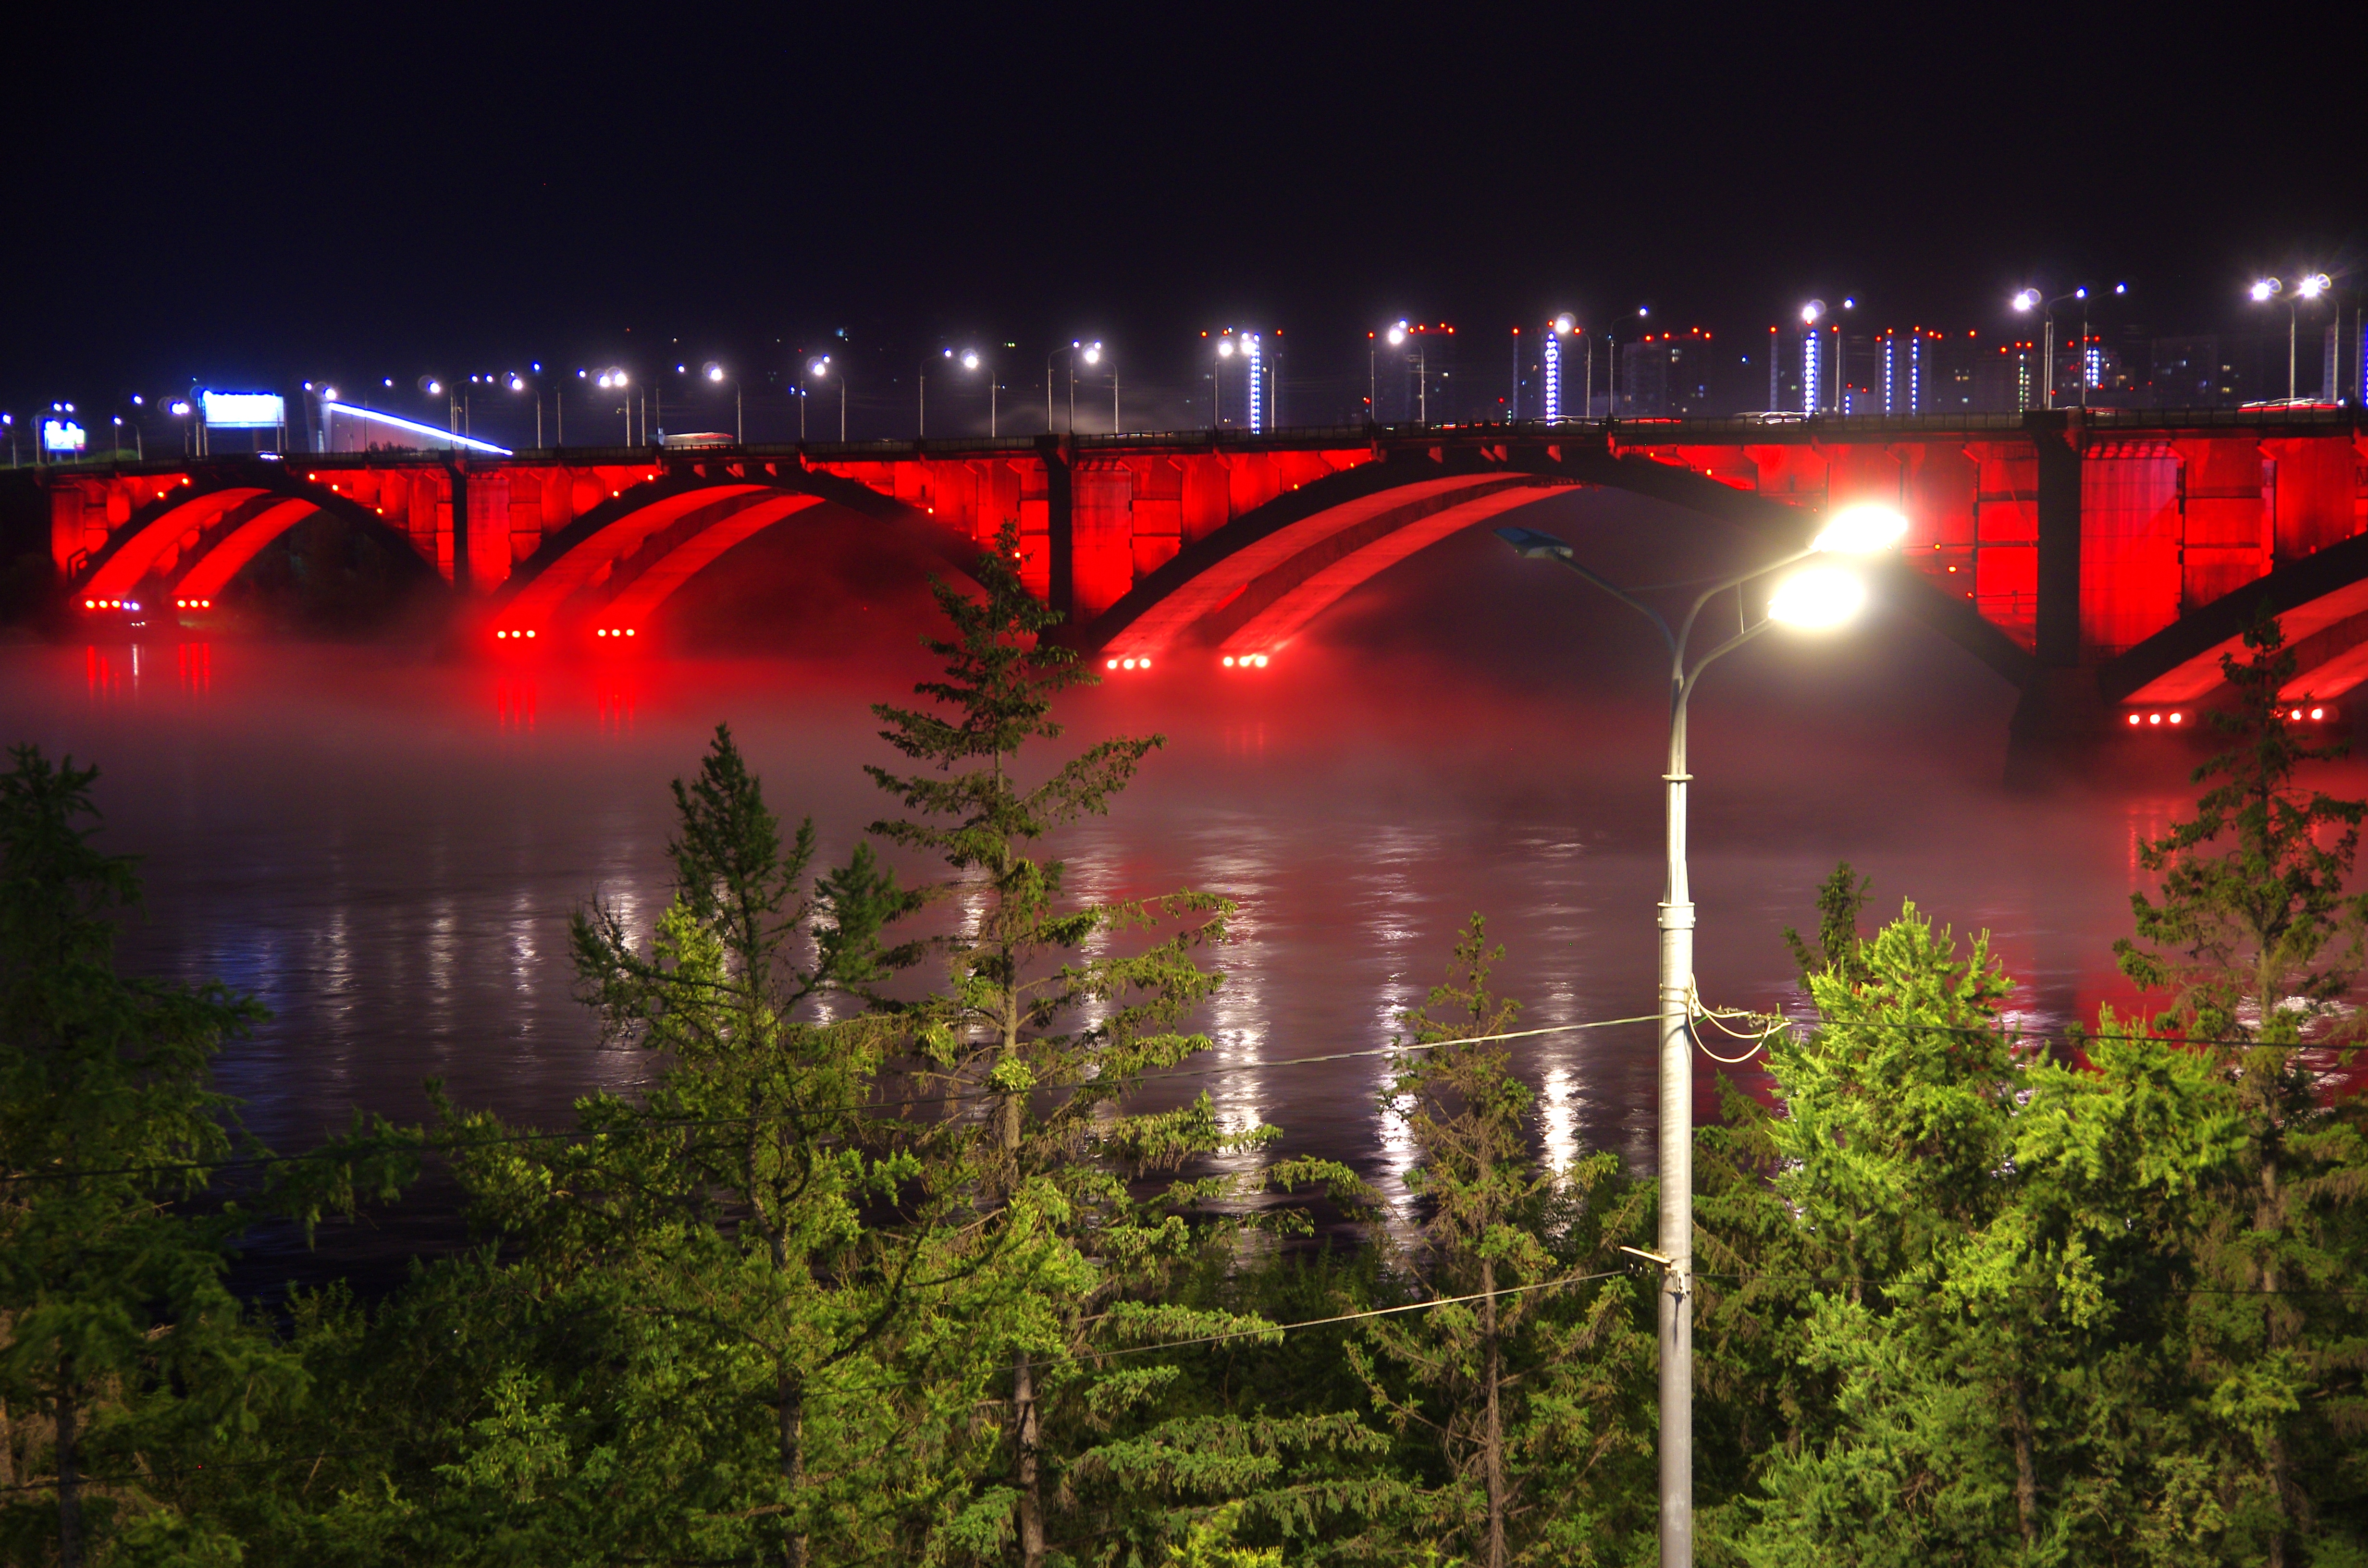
[[917, 1251]]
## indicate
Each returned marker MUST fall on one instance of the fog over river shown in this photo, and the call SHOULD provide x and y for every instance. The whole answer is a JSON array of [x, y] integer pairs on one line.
[[385, 844]]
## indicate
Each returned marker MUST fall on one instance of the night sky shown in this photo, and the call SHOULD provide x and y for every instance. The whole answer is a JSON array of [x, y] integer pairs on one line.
[[248, 194]]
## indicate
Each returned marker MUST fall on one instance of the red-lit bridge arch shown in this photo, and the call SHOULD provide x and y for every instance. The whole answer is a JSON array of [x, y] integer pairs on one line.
[[2095, 559]]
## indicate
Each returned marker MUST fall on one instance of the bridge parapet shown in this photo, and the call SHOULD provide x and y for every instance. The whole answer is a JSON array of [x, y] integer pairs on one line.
[[2071, 540]]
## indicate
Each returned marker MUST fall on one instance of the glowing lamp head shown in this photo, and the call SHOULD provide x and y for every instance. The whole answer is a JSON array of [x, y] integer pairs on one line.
[[2027, 300], [1818, 599], [2121, 288], [1860, 530], [1563, 322], [517, 383], [1093, 354], [970, 360], [433, 388], [1809, 313], [1397, 334], [328, 394], [1224, 349], [2266, 289], [714, 371], [2311, 286], [2080, 293]]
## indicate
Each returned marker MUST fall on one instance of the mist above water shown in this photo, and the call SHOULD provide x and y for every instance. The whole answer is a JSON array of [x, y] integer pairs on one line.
[[385, 844]]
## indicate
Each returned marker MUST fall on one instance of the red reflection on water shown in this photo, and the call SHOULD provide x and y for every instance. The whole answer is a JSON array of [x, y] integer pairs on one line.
[[614, 694], [197, 666], [514, 704], [98, 671]]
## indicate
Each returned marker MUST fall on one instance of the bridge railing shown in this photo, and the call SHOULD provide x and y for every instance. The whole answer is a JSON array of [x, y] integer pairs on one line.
[[1772, 429]]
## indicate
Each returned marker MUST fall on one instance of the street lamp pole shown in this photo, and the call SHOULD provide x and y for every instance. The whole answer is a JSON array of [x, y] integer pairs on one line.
[[1817, 598], [1093, 353], [818, 369], [714, 372], [2309, 288], [2029, 298]]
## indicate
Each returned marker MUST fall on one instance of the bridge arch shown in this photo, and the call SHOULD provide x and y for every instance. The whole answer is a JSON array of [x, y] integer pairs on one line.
[[2321, 601], [191, 542], [610, 569], [1251, 586]]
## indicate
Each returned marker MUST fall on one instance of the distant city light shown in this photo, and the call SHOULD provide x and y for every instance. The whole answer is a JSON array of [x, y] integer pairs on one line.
[[243, 411], [1251, 347]]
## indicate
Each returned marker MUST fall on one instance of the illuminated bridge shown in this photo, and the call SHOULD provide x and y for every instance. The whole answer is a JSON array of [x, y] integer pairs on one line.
[[2099, 560]]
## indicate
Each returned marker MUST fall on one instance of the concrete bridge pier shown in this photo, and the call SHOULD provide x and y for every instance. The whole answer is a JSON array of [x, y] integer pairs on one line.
[[2062, 704]]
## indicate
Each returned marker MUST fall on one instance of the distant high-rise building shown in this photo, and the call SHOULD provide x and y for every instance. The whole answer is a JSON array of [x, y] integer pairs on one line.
[[1669, 375]]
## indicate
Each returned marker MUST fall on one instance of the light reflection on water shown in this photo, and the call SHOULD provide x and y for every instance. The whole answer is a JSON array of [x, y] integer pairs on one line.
[[387, 851]]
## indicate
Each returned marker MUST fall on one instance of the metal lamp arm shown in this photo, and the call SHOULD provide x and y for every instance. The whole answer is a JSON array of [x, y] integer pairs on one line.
[[1685, 684], [1639, 606], [1734, 582]]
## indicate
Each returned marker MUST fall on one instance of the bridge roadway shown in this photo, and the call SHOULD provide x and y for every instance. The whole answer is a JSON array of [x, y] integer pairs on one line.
[[2099, 560]]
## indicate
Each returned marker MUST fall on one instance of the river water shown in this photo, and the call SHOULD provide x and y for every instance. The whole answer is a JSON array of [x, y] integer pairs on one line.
[[385, 844]]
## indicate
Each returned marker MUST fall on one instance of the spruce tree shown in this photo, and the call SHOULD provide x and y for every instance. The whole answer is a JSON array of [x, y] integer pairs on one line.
[[125, 1363], [1531, 1393], [743, 1236], [1054, 1009], [2254, 938]]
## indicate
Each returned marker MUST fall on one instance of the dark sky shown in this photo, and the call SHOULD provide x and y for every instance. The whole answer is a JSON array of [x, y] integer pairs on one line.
[[249, 194]]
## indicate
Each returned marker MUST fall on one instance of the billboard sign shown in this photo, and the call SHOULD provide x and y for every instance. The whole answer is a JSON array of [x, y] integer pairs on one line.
[[62, 436], [243, 411]]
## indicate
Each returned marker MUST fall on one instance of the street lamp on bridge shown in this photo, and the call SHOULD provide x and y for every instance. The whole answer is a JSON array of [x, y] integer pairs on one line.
[[972, 359], [714, 373], [1561, 326], [1398, 335], [1816, 599], [1092, 355], [823, 369], [2311, 288], [614, 380], [2089, 368], [531, 382], [1251, 349]]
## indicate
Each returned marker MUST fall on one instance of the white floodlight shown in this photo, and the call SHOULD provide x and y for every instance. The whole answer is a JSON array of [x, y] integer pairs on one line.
[[1817, 599], [1862, 530]]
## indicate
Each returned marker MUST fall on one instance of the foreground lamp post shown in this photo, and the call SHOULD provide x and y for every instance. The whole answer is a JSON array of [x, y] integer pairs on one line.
[[1814, 598]]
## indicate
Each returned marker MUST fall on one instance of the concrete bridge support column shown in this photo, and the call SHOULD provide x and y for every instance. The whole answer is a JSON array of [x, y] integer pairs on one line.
[[1060, 532], [2061, 702], [456, 475]]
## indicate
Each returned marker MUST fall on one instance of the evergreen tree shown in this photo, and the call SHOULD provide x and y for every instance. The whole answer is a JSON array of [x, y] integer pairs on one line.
[[124, 1360], [742, 1238], [1532, 1392], [2253, 937], [1051, 1016]]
